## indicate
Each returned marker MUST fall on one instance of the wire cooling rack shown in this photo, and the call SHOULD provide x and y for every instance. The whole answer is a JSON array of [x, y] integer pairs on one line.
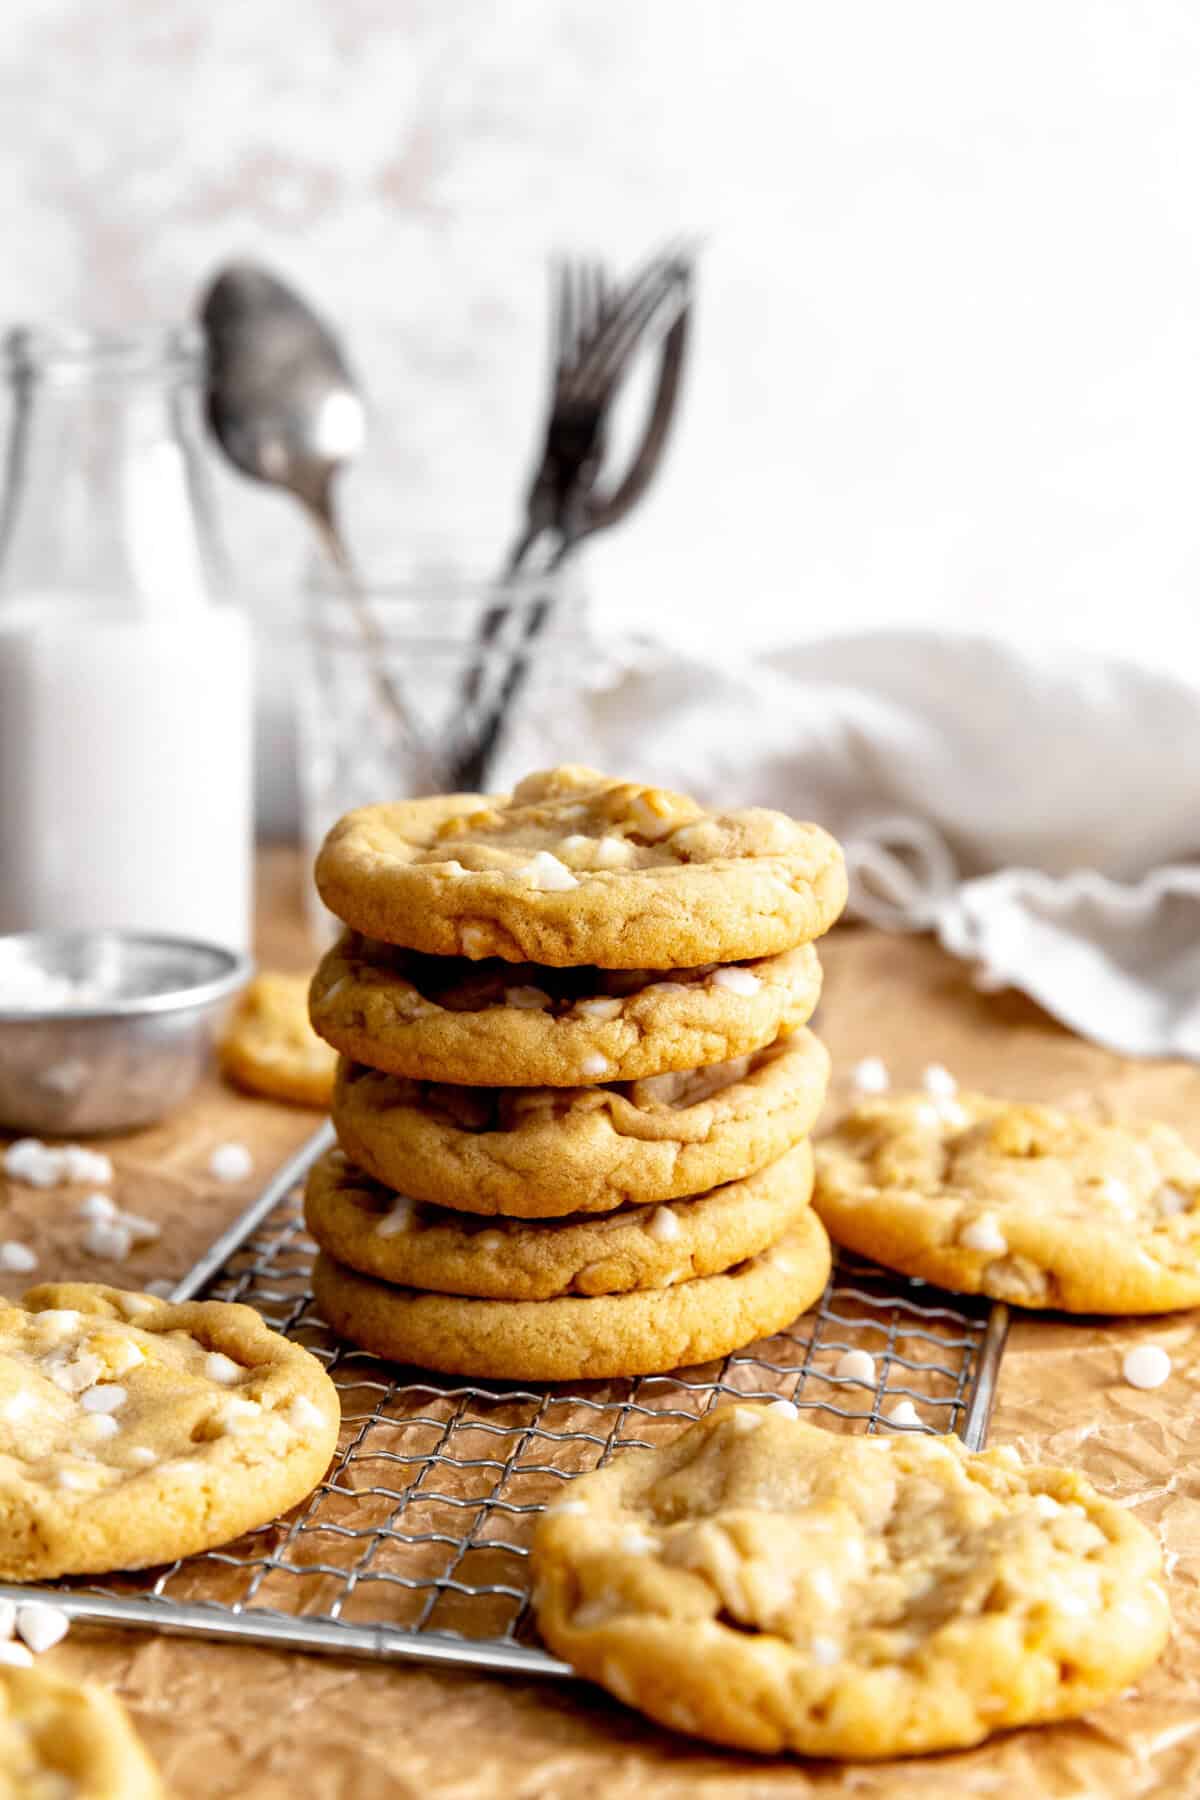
[[416, 1544]]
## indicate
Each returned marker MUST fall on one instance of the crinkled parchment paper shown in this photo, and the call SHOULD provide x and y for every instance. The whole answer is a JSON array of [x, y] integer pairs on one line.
[[249, 1722]]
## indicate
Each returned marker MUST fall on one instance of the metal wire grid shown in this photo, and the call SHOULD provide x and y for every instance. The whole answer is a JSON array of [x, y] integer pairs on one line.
[[416, 1543]]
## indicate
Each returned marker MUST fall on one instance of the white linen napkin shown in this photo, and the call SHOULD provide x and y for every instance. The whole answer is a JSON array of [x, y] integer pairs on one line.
[[1037, 807]]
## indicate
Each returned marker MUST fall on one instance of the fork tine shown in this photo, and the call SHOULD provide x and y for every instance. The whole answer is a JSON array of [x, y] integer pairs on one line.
[[593, 380], [560, 315], [634, 304]]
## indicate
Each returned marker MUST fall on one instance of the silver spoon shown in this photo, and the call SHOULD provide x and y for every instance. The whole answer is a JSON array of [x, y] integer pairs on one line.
[[287, 411]]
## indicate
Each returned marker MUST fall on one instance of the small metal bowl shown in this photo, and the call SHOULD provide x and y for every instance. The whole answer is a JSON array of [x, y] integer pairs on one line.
[[123, 1040]]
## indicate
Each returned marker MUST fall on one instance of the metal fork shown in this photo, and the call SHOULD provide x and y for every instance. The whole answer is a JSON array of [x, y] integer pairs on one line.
[[596, 332]]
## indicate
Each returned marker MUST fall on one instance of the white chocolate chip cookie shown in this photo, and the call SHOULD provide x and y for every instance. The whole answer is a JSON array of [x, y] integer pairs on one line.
[[133, 1431], [489, 1024], [539, 1152], [1024, 1203], [580, 1337], [371, 1229], [769, 1585], [63, 1741], [575, 868], [269, 1047]]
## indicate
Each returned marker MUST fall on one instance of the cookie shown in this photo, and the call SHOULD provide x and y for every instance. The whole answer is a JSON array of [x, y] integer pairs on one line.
[[371, 1229], [1024, 1203], [538, 1152], [269, 1046], [58, 1739], [575, 868], [440, 1018], [580, 1338], [133, 1431], [765, 1584]]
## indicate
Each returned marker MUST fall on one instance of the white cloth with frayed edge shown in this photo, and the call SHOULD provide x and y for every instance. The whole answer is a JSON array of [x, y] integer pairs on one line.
[[1037, 808]]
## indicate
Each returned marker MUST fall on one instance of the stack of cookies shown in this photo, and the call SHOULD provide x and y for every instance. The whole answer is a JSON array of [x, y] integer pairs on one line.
[[575, 1088]]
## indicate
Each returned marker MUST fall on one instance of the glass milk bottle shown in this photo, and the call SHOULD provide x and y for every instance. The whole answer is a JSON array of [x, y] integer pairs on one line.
[[125, 670]]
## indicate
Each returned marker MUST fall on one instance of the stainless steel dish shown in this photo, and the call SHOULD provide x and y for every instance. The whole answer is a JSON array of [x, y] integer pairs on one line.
[[106, 1030]]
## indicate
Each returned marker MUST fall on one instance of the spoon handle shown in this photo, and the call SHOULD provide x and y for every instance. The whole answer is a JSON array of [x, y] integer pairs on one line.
[[388, 691]]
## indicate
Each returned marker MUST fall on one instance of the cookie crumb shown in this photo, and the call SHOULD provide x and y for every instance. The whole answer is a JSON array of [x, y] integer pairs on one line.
[[1146, 1366]]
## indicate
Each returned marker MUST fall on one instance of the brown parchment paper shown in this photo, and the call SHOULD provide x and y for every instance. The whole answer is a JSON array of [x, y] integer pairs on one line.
[[225, 1721]]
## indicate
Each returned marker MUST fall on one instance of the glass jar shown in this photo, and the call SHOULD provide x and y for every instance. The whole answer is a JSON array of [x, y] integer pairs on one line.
[[459, 682], [125, 669]]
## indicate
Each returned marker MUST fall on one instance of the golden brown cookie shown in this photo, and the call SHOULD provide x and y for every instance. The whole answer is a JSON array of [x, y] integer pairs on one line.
[[269, 1046], [765, 1584], [377, 1232], [63, 1741], [538, 1152], [133, 1431], [441, 1018], [574, 868], [575, 1337], [1024, 1203]]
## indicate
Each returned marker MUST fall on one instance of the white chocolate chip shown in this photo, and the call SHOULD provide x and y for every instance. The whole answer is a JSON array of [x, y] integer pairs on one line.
[[141, 1455], [142, 1231], [595, 1064], [547, 875], [398, 1220], [1117, 1193], [527, 999], [97, 1206], [17, 1257], [452, 869], [71, 1478], [612, 853], [856, 1365], [664, 1227], [1170, 1200], [1146, 1366], [80, 1164], [604, 1007], [784, 1409], [108, 1397], [745, 1419], [1046, 1506], [57, 1323], [237, 1414], [15, 1656], [108, 1240], [938, 1082], [83, 1371], [870, 1076], [98, 1427], [927, 1116], [825, 1651], [42, 1626], [952, 1113], [34, 1163], [985, 1235], [221, 1368], [566, 1509], [231, 1162], [475, 941], [636, 1543], [736, 980], [304, 1415], [489, 1240], [904, 1413], [125, 1356]]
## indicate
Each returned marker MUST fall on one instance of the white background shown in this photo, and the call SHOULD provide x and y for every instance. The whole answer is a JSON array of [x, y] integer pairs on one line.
[[947, 363]]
